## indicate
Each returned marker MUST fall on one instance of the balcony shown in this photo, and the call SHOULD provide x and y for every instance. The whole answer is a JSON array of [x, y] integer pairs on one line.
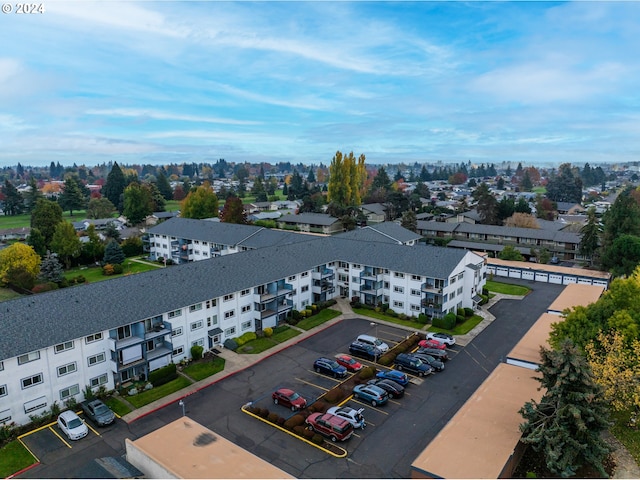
[[282, 290], [431, 288], [158, 330], [372, 274], [158, 352], [281, 307], [431, 305], [115, 344]]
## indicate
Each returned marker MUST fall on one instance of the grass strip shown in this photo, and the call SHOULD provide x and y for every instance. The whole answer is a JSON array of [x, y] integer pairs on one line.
[[148, 396], [13, 458]]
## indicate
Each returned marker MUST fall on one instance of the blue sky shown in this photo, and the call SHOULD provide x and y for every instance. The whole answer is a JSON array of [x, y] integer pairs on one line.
[[172, 81]]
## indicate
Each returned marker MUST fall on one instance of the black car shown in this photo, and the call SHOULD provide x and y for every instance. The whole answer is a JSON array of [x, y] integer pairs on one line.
[[430, 360], [412, 364], [362, 350], [434, 352], [329, 367], [394, 389]]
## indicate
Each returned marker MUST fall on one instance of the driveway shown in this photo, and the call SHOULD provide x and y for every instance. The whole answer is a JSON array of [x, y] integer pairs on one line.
[[395, 435]]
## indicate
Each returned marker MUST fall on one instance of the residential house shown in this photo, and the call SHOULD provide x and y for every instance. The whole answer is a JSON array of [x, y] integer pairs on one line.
[[311, 223]]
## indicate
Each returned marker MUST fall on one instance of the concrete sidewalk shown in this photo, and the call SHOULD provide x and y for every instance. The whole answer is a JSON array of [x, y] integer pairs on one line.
[[235, 362]]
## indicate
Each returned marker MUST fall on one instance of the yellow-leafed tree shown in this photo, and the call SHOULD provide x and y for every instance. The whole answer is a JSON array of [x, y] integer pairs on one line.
[[346, 179], [19, 265]]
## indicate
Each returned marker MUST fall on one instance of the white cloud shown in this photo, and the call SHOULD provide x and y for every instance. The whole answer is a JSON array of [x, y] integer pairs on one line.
[[160, 115]]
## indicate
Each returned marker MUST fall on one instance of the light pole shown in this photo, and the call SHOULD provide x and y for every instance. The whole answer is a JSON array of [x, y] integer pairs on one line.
[[375, 349], [181, 403]]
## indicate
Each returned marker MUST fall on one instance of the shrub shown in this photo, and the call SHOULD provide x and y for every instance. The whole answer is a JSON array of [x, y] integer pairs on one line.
[[468, 312], [485, 299], [309, 434], [366, 373], [160, 260], [317, 439], [460, 319], [108, 270], [246, 337], [318, 406], [268, 332], [386, 360], [391, 313], [231, 344], [423, 318], [263, 412], [294, 421], [44, 287], [485, 291], [273, 417], [196, 352], [71, 403], [299, 430], [385, 307], [403, 316], [447, 322], [118, 268], [331, 396], [163, 375], [314, 308], [88, 392], [281, 421]]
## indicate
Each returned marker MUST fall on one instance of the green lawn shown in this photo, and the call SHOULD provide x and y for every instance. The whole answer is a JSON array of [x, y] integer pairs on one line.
[[461, 329], [265, 343], [506, 288], [24, 220], [7, 294], [94, 274], [117, 406], [13, 458], [388, 318], [148, 396], [318, 319], [200, 371], [629, 437]]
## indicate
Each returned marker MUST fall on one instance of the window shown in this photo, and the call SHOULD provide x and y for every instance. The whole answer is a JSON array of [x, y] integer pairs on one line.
[[245, 292], [97, 381], [246, 308], [69, 391], [3, 390], [212, 303], [99, 358], [61, 347], [355, 279], [36, 404], [304, 288], [1, 366], [124, 332], [416, 277], [31, 381], [460, 290], [211, 321], [415, 308], [93, 338], [5, 416], [196, 325], [199, 342], [305, 303], [28, 357], [178, 351], [415, 292], [398, 304], [196, 307], [386, 285], [398, 289], [66, 369], [175, 313], [228, 297], [291, 278], [245, 325], [230, 332], [229, 314], [343, 278], [304, 274], [176, 332], [398, 275], [343, 265], [461, 276], [355, 265]]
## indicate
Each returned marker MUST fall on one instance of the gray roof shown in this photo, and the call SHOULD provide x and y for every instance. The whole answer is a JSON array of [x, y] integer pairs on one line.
[[489, 247], [387, 232], [217, 232], [517, 232], [310, 218], [436, 226], [376, 208], [60, 315]]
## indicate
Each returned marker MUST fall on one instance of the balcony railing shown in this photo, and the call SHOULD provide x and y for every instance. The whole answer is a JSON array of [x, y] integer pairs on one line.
[[431, 287]]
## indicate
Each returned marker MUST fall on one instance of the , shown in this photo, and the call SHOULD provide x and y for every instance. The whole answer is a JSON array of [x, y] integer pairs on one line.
[[351, 364], [442, 338], [430, 343], [289, 398], [332, 426], [350, 414], [329, 367], [364, 350], [412, 364], [98, 412], [72, 425], [394, 389], [371, 393], [374, 342], [395, 375]]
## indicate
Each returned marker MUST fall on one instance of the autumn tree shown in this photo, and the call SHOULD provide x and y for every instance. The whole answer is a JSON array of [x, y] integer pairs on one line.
[[201, 203], [522, 220], [346, 179], [65, 243], [45, 216], [545, 208], [19, 265], [233, 211], [566, 425], [138, 203]]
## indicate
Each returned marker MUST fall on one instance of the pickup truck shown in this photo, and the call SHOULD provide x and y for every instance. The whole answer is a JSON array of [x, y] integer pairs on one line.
[[98, 412]]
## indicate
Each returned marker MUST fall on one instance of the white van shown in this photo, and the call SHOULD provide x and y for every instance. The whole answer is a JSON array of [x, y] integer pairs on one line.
[[374, 342]]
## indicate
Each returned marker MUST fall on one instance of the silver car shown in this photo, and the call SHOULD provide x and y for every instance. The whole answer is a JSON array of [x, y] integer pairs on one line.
[[351, 414]]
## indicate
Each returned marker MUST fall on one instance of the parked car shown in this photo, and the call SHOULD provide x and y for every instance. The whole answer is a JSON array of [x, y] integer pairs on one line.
[[395, 375], [289, 398], [411, 364], [430, 360], [350, 363], [371, 393], [434, 352], [394, 389], [351, 414], [364, 350], [374, 342], [442, 338], [72, 425], [430, 343], [332, 426], [329, 367], [98, 412]]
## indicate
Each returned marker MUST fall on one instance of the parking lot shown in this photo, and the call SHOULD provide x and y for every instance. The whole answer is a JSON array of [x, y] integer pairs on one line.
[[395, 434]]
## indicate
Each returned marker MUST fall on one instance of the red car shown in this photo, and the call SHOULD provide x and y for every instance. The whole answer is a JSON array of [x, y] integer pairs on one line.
[[289, 398], [430, 343], [329, 425], [349, 363]]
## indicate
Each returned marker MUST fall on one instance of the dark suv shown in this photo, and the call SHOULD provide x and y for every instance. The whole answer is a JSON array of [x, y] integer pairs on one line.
[[329, 367], [329, 425], [434, 352], [412, 364], [362, 350]]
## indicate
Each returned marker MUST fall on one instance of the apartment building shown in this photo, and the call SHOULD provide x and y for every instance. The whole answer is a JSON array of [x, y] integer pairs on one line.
[[110, 333]]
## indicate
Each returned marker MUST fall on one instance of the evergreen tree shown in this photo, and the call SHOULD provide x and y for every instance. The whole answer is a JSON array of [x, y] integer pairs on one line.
[[112, 232], [45, 216], [590, 240], [32, 195], [164, 187], [522, 206], [381, 180], [565, 186], [93, 250], [37, 241], [409, 220], [487, 205], [568, 422], [113, 254], [424, 174], [526, 185], [623, 218], [51, 269], [72, 197], [114, 187], [13, 203], [311, 177]]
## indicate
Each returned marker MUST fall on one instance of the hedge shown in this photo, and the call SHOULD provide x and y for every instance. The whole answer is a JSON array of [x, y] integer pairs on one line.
[[163, 375]]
